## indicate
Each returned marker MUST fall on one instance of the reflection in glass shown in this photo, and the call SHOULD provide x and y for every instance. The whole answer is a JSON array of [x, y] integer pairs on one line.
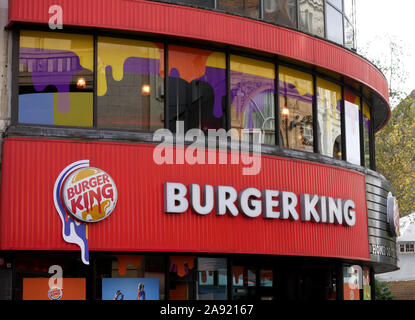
[[311, 18], [252, 99], [247, 8], [349, 40], [337, 3], [56, 79], [352, 127], [329, 103], [212, 279], [366, 134], [282, 12], [130, 84], [197, 88], [349, 9], [244, 282], [334, 25], [296, 105]]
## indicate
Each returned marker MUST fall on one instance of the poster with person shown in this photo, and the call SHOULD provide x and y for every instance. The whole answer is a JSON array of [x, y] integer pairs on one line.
[[130, 289]]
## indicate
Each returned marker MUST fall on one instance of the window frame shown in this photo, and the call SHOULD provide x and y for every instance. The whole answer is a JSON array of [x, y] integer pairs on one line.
[[274, 59]]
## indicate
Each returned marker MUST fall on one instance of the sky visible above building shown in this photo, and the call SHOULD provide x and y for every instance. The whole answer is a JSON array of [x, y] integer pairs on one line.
[[377, 19]]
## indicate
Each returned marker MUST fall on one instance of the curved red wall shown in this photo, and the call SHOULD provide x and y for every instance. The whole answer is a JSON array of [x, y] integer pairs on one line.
[[29, 220]]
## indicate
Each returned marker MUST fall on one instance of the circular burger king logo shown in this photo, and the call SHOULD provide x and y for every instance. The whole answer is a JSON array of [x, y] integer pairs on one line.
[[55, 293], [89, 194]]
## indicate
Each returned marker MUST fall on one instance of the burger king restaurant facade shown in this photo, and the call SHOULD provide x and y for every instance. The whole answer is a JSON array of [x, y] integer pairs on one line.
[[106, 193]]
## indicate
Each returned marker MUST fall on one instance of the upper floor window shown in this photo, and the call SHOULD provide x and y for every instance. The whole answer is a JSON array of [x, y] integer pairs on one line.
[[296, 109], [282, 12], [334, 24], [252, 99], [56, 79], [367, 131], [247, 8], [130, 91], [204, 88], [311, 17], [329, 104], [352, 127], [197, 88]]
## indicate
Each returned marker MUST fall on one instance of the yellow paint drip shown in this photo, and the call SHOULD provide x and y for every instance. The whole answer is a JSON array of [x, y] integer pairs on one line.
[[252, 66], [301, 80], [113, 52], [95, 213]]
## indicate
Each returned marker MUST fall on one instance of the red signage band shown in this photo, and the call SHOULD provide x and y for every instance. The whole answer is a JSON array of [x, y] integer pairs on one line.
[[28, 218]]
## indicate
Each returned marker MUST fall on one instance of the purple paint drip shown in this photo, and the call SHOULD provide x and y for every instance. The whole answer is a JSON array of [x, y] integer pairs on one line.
[[216, 77], [290, 91], [52, 67]]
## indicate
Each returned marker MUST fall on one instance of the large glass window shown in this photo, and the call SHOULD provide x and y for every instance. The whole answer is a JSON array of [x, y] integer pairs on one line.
[[130, 277], [296, 109], [56, 79], [130, 84], [311, 18], [366, 134], [282, 12], [334, 25], [212, 279], [329, 104], [247, 8], [352, 127], [56, 87], [252, 99], [197, 88]]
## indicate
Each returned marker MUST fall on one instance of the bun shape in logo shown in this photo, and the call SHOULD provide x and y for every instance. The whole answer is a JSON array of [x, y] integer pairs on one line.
[[89, 194]]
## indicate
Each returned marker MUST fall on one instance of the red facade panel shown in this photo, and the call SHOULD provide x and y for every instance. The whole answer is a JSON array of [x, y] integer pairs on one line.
[[167, 19], [29, 220]]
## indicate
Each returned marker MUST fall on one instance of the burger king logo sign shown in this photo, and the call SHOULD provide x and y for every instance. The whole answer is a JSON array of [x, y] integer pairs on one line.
[[89, 194], [83, 194]]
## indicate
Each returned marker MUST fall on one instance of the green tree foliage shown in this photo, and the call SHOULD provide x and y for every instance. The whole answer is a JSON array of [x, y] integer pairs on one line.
[[395, 153], [382, 291]]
